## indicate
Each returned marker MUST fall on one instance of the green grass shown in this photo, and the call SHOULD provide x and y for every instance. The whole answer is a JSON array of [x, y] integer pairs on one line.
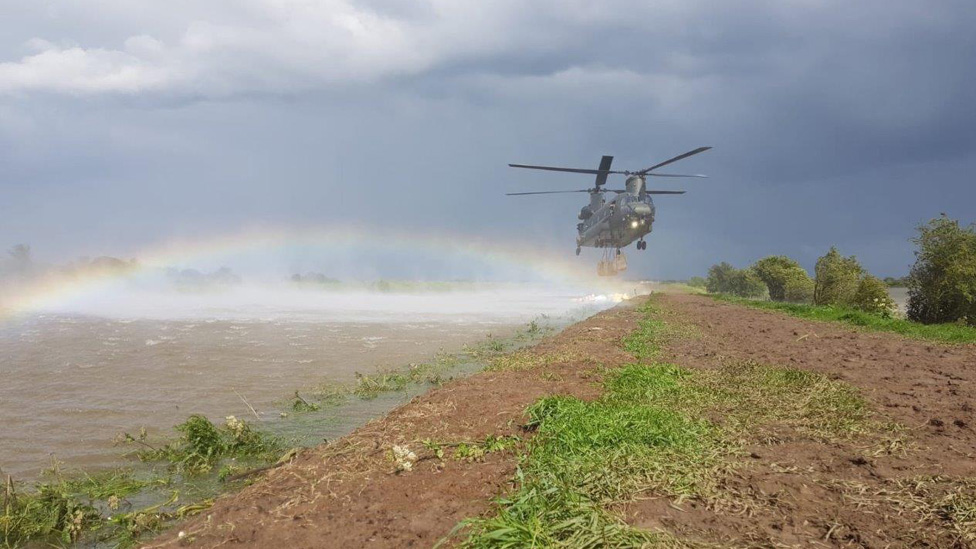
[[653, 332], [645, 342], [66, 509], [119, 483], [657, 430], [947, 333], [650, 433], [52, 514], [116, 508], [202, 445]]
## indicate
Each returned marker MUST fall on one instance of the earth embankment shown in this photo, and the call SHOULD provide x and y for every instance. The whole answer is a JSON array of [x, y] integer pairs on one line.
[[890, 466]]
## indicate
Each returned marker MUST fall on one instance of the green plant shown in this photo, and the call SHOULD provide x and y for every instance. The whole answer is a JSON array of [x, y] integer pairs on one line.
[[837, 278], [785, 279], [942, 283], [53, 513], [202, 445], [799, 289], [726, 279], [872, 297], [300, 404]]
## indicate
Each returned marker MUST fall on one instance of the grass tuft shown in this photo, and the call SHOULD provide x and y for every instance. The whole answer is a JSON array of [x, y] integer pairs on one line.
[[202, 445]]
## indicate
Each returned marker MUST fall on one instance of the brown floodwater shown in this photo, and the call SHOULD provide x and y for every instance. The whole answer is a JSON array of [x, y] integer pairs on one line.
[[70, 381]]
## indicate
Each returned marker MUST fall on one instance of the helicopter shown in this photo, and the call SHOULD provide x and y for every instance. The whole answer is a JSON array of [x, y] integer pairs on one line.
[[626, 217]]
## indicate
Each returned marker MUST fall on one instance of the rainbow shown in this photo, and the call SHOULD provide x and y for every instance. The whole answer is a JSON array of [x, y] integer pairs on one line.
[[55, 288]]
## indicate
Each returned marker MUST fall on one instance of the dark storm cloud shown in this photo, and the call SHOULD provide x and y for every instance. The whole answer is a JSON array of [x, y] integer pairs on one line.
[[834, 123]]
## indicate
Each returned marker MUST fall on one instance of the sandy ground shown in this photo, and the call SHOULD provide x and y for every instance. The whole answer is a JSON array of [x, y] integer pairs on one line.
[[802, 492]]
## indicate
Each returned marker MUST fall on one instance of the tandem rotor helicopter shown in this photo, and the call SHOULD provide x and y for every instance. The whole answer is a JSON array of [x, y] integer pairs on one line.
[[626, 217]]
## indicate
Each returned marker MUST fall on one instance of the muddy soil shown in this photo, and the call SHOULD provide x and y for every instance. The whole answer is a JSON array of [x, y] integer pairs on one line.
[[797, 491]]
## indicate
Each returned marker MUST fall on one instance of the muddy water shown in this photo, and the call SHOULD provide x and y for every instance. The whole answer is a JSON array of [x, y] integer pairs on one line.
[[69, 383], [900, 295]]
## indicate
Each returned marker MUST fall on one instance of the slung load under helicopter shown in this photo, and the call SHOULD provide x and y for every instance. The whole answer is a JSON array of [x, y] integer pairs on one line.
[[627, 217]]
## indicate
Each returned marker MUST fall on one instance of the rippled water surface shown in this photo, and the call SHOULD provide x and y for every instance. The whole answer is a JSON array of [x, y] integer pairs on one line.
[[72, 380]]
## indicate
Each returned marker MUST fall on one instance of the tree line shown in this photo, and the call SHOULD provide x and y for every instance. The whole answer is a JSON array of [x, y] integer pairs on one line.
[[941, 284]]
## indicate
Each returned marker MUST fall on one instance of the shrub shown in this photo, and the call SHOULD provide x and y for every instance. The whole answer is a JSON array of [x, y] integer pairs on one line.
[[942, 283], [697, 282], [779, 271], [719, 276], [726, 279], [837, 279], [745, 283], [872, 297], [799, 289]]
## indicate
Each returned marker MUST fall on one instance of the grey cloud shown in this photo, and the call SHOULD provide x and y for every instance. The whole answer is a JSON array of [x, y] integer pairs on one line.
[[834, 123]]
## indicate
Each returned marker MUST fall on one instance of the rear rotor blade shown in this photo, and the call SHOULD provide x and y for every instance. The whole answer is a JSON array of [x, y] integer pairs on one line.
[[675, 159], [548, 192], [676, 175]]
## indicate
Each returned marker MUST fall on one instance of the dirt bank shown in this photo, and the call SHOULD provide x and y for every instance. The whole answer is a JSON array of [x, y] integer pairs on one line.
[[904, 488]]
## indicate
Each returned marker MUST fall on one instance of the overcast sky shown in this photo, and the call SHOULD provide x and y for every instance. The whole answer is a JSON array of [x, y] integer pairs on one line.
[[124, 123]]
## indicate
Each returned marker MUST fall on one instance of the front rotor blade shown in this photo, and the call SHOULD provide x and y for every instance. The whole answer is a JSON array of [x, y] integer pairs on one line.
[[675, 159], [555, 169], [547, 192], [665, 192], [601, 178], [676, 175]]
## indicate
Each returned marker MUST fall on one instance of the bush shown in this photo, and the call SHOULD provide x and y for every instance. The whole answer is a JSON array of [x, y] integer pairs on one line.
[[697, 282], [872, 297], [799, 289], [726, 279], [942, 283], [779, 271], [837, 279], [719, 277]]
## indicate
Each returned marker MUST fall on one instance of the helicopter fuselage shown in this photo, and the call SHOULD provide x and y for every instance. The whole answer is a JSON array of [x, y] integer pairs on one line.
[[615, 223]]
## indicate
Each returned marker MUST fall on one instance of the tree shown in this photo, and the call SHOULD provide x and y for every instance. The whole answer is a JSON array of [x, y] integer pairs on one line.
[[745, 283], [942, 283], [837, 279], [719, 278], [778, 272], [726, 279]]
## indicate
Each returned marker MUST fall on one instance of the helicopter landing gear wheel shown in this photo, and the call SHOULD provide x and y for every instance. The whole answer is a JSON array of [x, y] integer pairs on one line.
[[578, 250]]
